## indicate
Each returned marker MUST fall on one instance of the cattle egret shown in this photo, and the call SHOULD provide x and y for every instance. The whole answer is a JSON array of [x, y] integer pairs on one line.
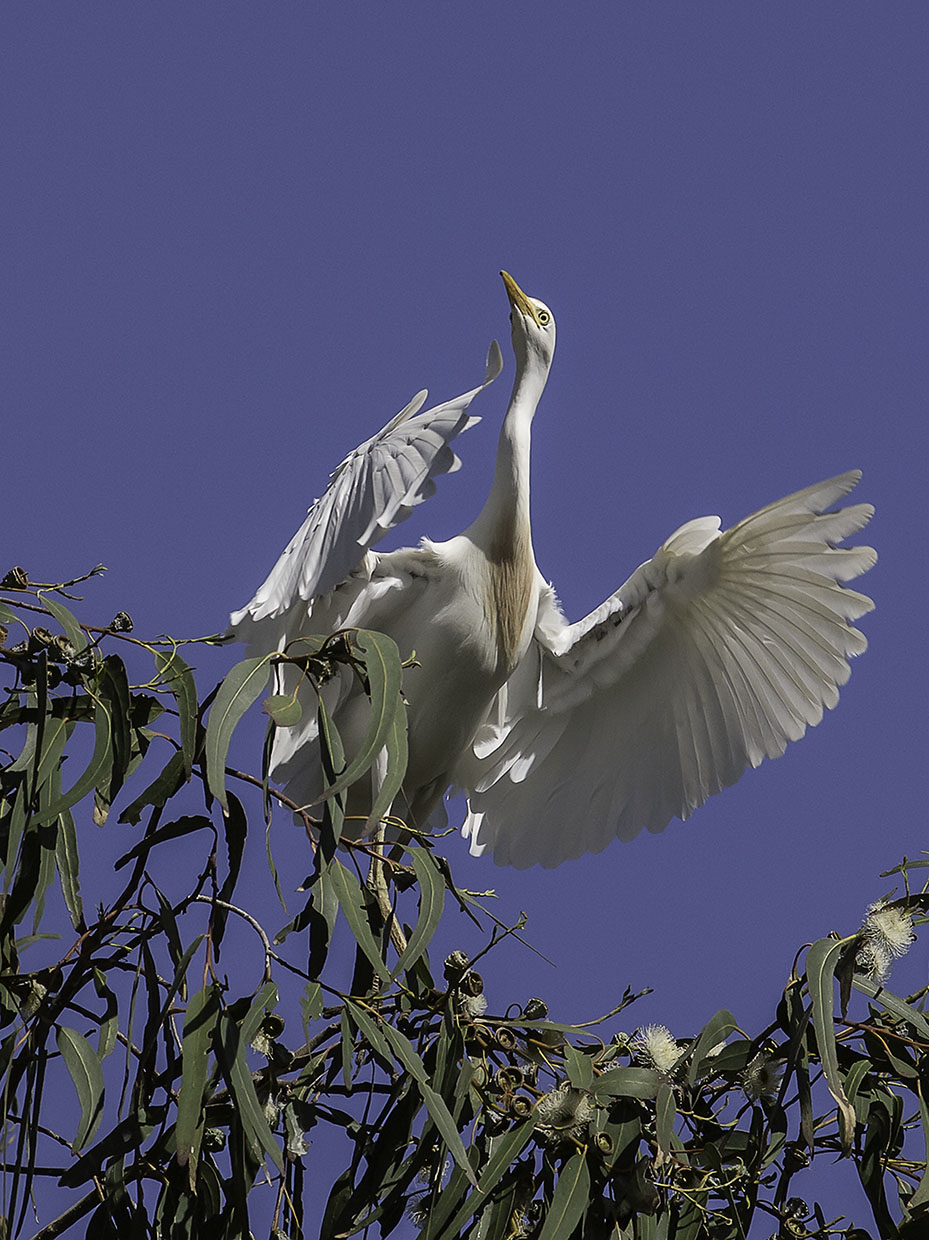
[[715, 653]]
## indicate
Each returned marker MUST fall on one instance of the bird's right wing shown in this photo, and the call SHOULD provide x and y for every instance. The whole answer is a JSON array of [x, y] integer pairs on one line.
[[375, 488], [713, 655]]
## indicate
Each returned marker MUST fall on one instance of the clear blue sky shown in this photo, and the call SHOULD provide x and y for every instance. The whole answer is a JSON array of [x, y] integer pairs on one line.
[[238, 237]]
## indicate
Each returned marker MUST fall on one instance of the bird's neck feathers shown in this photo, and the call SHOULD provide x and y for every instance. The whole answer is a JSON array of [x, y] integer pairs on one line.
[[504, 519], [502, 532]]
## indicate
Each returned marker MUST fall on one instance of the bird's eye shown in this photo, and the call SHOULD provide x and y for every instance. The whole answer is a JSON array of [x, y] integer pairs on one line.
[[544, 318]]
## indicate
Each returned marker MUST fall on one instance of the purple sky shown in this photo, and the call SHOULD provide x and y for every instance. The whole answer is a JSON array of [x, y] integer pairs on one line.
[[238, 238]]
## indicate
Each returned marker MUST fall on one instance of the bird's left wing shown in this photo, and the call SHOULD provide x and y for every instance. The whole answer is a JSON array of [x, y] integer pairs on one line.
[[713, 655], [375, 488]]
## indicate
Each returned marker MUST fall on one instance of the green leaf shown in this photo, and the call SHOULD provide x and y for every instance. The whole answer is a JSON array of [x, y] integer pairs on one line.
[[235, 825], [250, 1111], [284, 708], [716, 1030], [243, 686], [381, 660], [578, 1067], [569, 1200], [506, 1149], [368, 1026], [97, 771], [85, 1071], [168, 831], [627, 1083], [199, 1023], [352, 901], [431, 907], [821, 961], [892, 1003], [665, 1112], [73, 631], [438, 1111], [68, 860], [397, 747], [159, 791], [921, 1195], [263, 1002], [113, 687], [177, 675], [348, 1050]]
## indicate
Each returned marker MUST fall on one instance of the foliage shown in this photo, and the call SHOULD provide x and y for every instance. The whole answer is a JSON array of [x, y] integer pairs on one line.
[[203, 1095]]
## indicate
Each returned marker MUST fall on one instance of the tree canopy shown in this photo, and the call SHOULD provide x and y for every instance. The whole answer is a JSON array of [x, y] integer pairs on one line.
[[174, 1064]]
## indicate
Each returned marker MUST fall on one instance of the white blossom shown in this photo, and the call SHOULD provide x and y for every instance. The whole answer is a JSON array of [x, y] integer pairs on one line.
[[762, 1077], [471, 1006], [564, 1112], [654, 1045], [887, 932]]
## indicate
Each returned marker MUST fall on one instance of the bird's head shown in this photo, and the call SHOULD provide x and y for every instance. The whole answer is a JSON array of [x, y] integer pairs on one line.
[[533, 326]]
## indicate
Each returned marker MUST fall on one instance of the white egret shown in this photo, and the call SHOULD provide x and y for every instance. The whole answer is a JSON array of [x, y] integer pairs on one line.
[[713, 655]]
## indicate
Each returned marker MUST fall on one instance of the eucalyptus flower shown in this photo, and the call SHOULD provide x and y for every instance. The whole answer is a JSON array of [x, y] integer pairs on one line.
[[563, 1113], [470, 1006], [887, 932], [654, 1045], [761, 1077]]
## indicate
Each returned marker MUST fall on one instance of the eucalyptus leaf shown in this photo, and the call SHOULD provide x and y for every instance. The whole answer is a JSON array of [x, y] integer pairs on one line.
[[351, 898], [821, 961], [431, 907], [241, 687], [175, 672], [200, 1020], [87, 1075], [569, 1201]]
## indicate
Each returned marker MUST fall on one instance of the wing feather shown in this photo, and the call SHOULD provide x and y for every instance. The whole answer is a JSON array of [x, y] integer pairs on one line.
[[713, 656], [373, 489]]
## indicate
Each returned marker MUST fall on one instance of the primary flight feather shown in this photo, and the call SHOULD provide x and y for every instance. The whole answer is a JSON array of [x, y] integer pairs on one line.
[[713, 655]]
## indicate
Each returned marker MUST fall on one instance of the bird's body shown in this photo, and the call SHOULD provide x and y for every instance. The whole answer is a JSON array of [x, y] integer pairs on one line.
[[712, 655]]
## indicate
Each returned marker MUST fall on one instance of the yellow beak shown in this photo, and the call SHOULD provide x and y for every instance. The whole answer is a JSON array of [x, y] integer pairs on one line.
[[517, 298]]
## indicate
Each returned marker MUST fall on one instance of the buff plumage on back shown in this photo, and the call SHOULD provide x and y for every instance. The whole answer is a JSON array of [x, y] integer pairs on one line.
[[713, 655]]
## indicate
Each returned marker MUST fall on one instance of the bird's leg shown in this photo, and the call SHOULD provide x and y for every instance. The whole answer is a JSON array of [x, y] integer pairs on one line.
[[377, 885]]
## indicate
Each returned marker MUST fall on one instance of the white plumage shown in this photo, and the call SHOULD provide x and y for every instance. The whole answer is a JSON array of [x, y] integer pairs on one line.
[[714, 654]]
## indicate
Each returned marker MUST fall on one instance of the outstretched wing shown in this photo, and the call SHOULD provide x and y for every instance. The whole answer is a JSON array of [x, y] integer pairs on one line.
[[375, 488], [713, 655]]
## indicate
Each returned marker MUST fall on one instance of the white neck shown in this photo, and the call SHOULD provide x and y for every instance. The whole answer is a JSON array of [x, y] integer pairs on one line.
[[504, 520]]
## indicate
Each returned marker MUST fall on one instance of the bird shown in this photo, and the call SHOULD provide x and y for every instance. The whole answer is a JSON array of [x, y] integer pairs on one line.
[[715, 652]]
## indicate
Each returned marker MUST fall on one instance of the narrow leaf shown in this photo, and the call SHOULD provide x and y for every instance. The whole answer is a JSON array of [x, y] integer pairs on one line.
[[199, 1023], [665, 1112], [372, 1033], [506, 1149], [85, 1071], [351, 899], [68, 860], [579, 1067], [821, 961], [569, 1200], [431, 907], [716, 1030], [97, 770], [381, 660], [627, 1083], [73, 631], [438, 1111], [177, 675], [250, 1110], [159, 791], [892, 1003], [243, 686]]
